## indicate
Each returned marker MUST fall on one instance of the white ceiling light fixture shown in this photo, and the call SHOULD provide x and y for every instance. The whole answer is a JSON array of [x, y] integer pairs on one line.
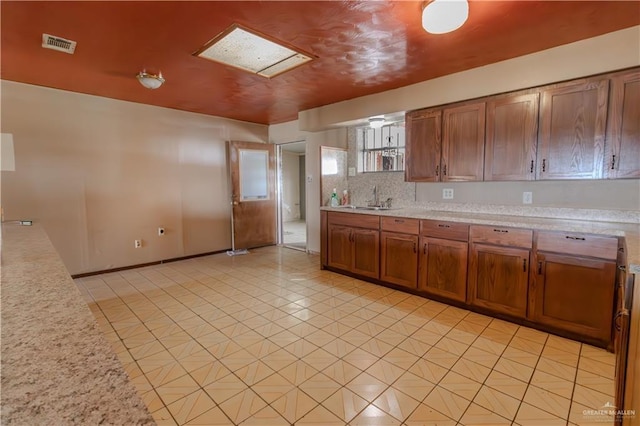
[[376, 122], [444, 16], [249, 51], [150, 81]]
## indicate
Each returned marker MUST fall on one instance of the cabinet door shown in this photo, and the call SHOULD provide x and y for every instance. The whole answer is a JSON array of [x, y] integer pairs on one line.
[[443, 268], [324, 235], [575, 294], [498, 279], [366, 252], [339, 251], [463, 143], [622, 159], [423, 146], [399, 259], [572, 131], [512, 135]]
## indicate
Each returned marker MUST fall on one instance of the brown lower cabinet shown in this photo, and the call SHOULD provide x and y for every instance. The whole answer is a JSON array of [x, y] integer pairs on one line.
[[561, 282], [499, 269], [575, 292], [444, 251], [354, 244], [399, 251]]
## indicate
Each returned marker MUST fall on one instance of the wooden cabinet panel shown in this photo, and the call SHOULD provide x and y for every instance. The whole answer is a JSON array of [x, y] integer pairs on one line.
[[366, 252], [339, 251], [511, 139], [399, 259], [622, 159], [354, 219], [498, 279], [443, 268], [578, 244], [423, 146], [463, 142], [446, 230], [400, 224], [324, 235], [574, 294], [572, 130], [513, 237]]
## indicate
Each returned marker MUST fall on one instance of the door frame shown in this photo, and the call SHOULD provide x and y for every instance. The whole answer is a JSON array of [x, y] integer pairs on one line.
[[279, 197]]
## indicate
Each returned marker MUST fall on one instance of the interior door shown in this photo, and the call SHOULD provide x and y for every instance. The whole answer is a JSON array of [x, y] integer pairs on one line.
[[253, 180]]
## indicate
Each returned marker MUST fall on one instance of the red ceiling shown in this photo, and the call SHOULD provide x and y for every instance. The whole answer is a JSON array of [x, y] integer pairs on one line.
[[363, 47]]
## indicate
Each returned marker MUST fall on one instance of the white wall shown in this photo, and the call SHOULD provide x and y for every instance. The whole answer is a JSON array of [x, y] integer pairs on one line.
[[100, 173]]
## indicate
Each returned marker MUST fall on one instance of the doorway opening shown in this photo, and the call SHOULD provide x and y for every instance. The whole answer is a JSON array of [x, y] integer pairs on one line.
[[292, 200]]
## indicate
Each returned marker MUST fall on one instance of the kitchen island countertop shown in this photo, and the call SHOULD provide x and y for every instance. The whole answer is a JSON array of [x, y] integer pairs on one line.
[[57, 367]]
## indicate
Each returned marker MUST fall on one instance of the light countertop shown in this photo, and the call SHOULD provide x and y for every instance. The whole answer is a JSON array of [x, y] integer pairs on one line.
[[630, 231], [57, 367]]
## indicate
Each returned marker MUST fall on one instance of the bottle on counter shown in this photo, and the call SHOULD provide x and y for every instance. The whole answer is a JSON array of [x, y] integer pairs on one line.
[[334, 202], [345, 198]]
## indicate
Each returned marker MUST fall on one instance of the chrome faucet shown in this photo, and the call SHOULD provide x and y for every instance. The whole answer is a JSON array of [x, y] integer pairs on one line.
[[375, 202]]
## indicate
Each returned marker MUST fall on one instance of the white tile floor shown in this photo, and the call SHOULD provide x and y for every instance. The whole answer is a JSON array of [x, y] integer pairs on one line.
[[268, 338], [295, 234]]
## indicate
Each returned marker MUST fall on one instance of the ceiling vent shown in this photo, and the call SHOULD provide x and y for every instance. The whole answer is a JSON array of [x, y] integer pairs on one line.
[[58, 43]]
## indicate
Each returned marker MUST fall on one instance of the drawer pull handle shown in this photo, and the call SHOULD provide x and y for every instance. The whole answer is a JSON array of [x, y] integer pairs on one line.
[[613, 162], [424, 250], [575, 238], [399, 221], [544, 164], [503, 231], [539, 268], [444, 170], [440, 225], [415, 249], [531, 171], [524, 265], [437, 170]]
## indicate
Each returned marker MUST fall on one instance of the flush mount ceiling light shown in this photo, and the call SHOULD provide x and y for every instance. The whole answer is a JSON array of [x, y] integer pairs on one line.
[[150, 81], [444, 16], [376, 122], [252, 52]]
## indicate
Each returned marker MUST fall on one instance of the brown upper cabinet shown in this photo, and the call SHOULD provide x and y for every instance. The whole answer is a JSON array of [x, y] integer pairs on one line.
[[574, 130], [463, 143], [512, 134], [423, 146], [622, 156], [573, 120], [446, 144]]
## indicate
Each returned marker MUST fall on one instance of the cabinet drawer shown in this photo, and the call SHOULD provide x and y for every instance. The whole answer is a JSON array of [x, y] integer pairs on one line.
[[578, 244], [400, 224], [499, 235], [445, 230], [355, 220]]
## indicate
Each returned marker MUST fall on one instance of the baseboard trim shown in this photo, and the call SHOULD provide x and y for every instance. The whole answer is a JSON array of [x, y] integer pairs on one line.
[[142, 265]]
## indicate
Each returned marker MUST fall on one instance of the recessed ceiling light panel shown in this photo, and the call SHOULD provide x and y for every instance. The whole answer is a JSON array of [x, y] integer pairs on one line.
[[251, 52]]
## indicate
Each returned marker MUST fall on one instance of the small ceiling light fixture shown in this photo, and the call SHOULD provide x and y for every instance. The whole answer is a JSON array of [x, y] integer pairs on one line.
[[150, 81], [444, 16], [376, 122]]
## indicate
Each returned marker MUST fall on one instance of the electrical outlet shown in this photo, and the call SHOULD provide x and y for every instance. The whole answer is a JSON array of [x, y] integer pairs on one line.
[[351, 171], [447, 194], [137, 243], [527, 197], [160, 232]]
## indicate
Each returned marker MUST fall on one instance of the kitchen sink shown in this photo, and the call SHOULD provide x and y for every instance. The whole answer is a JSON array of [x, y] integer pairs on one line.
[[365, 207]]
